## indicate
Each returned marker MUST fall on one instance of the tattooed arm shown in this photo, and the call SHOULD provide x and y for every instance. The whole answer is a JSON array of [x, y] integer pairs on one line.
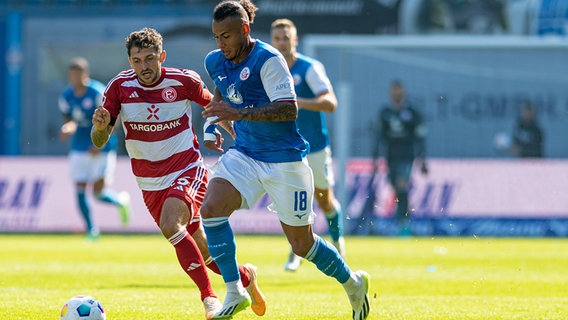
[[272, 112]]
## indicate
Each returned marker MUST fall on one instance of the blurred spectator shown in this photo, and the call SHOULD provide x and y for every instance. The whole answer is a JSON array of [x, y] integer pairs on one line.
[[527, 138]]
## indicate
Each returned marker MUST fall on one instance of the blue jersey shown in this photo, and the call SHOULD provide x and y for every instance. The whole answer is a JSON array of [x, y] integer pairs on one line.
[[310, 80], [261, 78], [81, 109]]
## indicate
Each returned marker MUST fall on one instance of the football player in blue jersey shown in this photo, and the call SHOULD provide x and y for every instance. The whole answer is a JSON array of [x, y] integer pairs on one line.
[[314, 97], [255, 102], [89, 165]]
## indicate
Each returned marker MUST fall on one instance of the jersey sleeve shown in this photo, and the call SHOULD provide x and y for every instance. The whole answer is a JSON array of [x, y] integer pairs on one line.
[[197, 89], [277, 80], [111, 100], [209, 64], [317, 79]]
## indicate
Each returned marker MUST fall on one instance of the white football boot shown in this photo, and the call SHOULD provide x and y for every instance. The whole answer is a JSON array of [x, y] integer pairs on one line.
[[293, 262], [212, 305], [359, 299]]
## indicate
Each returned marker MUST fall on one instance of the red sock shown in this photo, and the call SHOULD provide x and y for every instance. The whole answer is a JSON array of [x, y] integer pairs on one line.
[[245, 276], [191, 261]]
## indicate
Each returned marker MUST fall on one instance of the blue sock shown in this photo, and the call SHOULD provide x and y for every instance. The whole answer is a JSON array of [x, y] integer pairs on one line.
[[85, 209], [222, 246], [108, 196], [328, 260], [335, 223]]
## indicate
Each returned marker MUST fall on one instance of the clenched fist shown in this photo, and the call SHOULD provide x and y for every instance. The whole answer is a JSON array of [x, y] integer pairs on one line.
[[101, 118]]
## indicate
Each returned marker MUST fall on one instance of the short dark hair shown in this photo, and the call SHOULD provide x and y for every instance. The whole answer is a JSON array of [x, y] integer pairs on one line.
[[243, 9], [144, 38]]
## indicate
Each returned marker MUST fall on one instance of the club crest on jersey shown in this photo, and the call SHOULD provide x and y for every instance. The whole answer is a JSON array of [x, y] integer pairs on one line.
[[245, 73], [297, 79], [234, 95], [169, 94]]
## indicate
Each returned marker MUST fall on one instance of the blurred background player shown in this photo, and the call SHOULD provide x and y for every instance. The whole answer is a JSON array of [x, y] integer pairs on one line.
[[402, 134], [89, 164], [527, 138], [314, 97], [154, 104], [255, 102]]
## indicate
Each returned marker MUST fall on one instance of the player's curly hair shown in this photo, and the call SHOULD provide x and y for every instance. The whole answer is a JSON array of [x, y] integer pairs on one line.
[[144, 38], [243, 9]]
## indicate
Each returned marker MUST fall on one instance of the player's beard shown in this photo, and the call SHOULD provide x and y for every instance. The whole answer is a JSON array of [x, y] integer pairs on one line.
[[153, 77]]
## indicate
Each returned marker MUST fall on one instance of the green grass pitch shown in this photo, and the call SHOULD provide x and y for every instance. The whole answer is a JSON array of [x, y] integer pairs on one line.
[[137, 277]]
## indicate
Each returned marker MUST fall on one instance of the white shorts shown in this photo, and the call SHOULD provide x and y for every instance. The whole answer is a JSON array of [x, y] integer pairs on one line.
[[87, 167], [322, 167], [289, 185]]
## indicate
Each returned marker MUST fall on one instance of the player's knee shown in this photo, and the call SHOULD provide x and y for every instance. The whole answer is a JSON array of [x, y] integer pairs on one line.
[[207, 210], [214, 208], [168, 228], [170, 224]]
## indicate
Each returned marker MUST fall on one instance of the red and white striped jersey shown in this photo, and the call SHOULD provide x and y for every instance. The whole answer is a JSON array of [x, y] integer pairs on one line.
[[159, 135]]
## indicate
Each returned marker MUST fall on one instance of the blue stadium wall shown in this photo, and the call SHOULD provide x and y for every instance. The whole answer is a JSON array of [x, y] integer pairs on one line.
[[3, 76]]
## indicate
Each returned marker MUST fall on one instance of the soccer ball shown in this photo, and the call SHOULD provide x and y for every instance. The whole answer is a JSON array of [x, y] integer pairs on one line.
[[82, 308]]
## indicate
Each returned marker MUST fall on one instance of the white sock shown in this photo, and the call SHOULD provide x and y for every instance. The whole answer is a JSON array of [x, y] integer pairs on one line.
[[235, 288], [351, 284]]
